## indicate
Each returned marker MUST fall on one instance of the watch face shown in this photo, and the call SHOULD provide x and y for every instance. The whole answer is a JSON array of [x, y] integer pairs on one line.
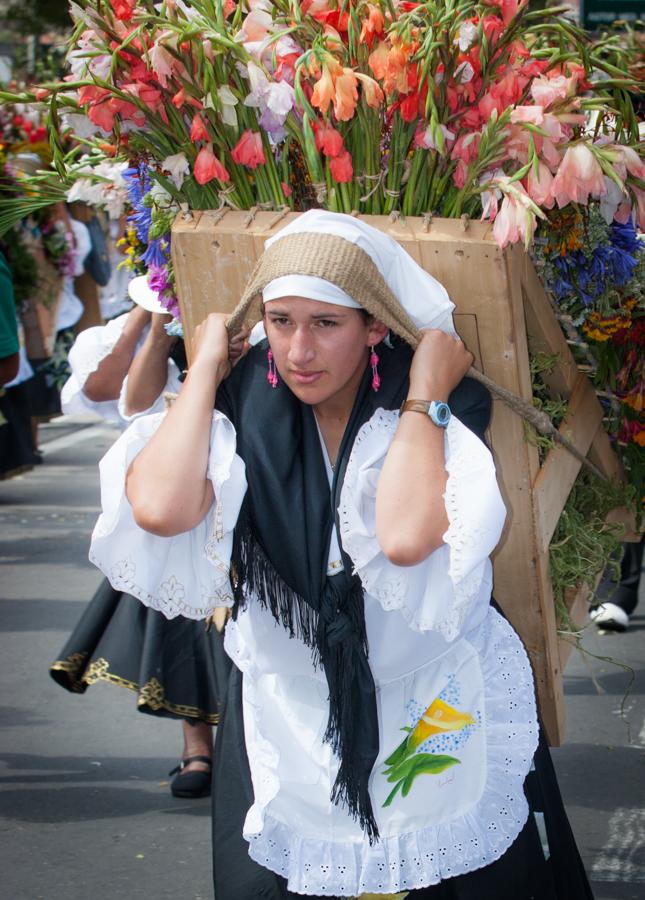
[[440, 413]]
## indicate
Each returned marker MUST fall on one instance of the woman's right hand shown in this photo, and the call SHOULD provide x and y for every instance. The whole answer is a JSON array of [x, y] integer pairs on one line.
[[213, 348]]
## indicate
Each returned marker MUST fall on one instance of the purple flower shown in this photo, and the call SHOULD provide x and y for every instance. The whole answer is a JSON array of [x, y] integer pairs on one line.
[[158, 278]]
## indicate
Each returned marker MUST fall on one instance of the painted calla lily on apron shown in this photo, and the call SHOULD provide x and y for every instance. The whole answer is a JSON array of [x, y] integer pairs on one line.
[[405, 764]]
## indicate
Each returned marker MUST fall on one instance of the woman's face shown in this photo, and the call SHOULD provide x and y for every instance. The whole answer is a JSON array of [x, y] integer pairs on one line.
[[320, 349]]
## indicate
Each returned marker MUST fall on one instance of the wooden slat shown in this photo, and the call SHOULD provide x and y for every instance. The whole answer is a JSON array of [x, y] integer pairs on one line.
[[560, 469]]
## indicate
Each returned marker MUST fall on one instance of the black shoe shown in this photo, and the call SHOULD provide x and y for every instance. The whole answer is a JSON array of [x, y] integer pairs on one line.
[[191, 784]]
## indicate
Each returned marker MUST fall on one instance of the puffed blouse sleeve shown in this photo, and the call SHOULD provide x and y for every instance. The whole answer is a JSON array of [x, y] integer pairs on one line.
[[187, 574], [452, 587], [90, 348]]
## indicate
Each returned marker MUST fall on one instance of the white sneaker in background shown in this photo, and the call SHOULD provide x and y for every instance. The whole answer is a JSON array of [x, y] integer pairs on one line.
[[609, 617]]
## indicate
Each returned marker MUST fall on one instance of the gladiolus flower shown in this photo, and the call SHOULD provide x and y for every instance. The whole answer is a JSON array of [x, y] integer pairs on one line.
[[162, 63], [179, 99], [198, 131], [207, 166], [579, 175], [371, 90], [286, 190], [546, 91], [328, 140], [123, 9], [628, 161], [372, 25], [177, 167], [323, 92], [41, 93], [341, 167], [102, 114], [249, 151], [515, 220], [508, 8], [539, 186], [346, 95]]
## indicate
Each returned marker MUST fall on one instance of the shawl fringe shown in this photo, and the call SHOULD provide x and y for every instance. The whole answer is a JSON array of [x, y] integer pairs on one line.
[[336, 635]]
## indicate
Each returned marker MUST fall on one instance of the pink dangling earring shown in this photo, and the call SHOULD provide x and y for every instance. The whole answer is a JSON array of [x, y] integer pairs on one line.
[[376, 378], [272, 375]]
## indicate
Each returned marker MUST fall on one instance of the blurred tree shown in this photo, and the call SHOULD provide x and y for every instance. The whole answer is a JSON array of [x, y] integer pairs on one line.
[[35, 17]]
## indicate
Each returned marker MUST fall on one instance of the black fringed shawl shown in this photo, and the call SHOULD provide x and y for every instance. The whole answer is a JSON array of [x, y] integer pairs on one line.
[[281, 544]]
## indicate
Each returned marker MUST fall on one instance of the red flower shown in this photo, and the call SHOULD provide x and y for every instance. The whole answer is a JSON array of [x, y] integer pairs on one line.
[[286, 189], [207, 166], [328, 140], [102, 114], [341, 167], [123, 9], [198, 131], [249, 151]]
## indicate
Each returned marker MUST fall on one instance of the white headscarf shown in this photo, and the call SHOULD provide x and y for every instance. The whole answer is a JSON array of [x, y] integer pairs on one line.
[[424, 299]]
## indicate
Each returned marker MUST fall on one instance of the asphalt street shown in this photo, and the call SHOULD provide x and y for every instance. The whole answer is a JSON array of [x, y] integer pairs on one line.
[[85, 809]]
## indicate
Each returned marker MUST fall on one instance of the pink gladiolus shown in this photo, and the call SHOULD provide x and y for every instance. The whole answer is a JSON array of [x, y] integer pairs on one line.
[[460, 174], [515, 221], [532, 114], [207, 167], [198, 131], [579, 175], [101, 114], [249, 151], [508, 8], [286, 190], [629, 161], [546, 91], [341, 167], [539, 186]]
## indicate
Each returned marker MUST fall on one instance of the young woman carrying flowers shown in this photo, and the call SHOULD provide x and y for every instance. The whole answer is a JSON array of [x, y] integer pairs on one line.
[[380, 723]]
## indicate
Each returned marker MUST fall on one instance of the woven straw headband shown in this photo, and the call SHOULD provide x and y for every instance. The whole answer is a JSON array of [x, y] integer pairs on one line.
[[336, 260]]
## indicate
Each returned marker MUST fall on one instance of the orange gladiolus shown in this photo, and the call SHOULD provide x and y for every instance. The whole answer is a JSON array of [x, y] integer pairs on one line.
[[323, 92], [346, 95], [371, 91], [372, 25]]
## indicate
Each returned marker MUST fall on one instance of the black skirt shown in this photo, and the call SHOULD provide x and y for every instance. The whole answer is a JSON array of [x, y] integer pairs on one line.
[[169, 663], [17, 451], [523, 873]]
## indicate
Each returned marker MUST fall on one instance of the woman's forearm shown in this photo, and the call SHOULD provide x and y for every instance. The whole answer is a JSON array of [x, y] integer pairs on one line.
[[410, 512], [105, 383], [166, 483], [148, 373]]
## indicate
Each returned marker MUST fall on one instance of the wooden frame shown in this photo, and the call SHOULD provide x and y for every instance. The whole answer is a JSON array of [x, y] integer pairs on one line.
[[501, 308]]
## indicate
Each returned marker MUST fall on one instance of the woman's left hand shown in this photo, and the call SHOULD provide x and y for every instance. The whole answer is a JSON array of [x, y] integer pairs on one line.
[[440, 362]]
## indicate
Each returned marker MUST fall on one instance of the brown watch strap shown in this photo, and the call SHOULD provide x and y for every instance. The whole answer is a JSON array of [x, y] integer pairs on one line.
[[421, 406]]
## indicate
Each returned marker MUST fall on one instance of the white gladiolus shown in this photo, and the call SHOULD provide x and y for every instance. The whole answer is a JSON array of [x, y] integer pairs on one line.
[[177, 167]]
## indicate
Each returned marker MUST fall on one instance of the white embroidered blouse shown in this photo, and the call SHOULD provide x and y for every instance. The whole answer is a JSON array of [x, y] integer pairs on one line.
[[454, 689]]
